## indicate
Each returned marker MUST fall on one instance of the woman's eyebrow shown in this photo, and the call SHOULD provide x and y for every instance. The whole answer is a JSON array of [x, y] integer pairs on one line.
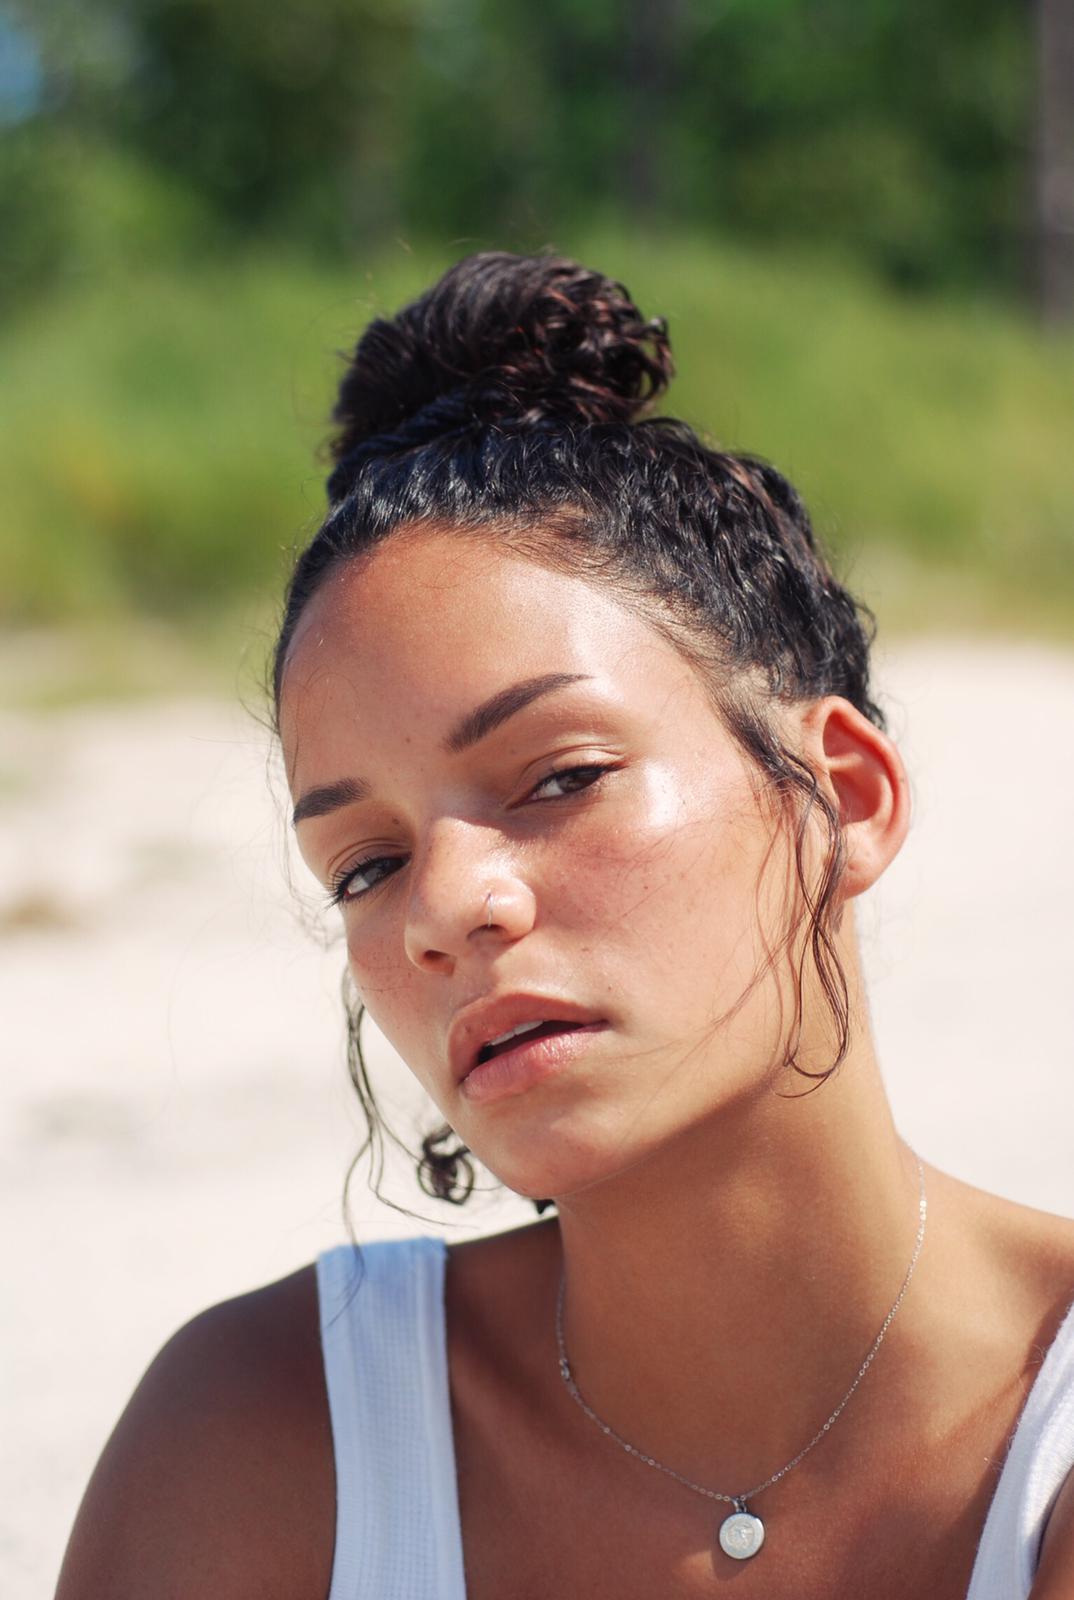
[[329, 797], [475, 725]]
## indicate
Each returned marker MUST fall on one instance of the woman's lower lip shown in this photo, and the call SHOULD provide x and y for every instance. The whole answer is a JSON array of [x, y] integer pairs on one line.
[[528, 1062]]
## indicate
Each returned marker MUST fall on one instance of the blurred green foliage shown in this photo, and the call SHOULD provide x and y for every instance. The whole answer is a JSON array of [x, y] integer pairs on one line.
[[201, 201], [895, 132], [158, 431]]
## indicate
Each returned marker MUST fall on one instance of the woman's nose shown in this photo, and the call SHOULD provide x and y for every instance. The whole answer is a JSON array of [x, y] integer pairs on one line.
[[461, 904]]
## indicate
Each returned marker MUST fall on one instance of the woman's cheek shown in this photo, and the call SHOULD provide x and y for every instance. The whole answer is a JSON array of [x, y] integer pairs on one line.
[[373, 969], [384, 988], [646, 854]]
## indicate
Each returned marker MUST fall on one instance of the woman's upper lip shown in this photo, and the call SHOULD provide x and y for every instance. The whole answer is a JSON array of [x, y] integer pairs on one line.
[[483, 1020]]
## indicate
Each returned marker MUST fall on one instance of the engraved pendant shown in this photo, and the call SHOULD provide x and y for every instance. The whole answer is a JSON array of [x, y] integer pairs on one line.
[[741, 1534]]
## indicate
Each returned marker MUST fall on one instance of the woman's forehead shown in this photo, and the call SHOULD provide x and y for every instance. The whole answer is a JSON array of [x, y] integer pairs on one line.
[[446, 613], [404, 644]]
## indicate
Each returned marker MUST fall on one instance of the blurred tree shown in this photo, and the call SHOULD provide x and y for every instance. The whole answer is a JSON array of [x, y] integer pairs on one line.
[[896, 131], [651, 74], [1055, 158], [280, 120], [284, 115]]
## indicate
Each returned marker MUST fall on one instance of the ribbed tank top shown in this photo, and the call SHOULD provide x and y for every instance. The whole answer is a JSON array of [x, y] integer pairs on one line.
[[398, 1535]]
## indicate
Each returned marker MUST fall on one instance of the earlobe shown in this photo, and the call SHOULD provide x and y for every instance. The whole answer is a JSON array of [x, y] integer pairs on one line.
[[862, 773]]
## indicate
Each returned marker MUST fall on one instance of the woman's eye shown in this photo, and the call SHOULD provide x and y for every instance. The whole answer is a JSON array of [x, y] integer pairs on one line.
[[569, 780], [360, 879]]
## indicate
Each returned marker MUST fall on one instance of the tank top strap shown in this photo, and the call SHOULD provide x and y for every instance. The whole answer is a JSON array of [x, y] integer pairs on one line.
[[385, 1357], [1040, 1457]]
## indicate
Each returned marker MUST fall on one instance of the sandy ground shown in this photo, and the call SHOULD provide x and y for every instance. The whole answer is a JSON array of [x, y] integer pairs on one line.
[[176, 1121]]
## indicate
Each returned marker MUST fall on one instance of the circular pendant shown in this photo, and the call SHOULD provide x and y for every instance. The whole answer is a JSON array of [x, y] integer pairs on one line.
[[741, 1535]]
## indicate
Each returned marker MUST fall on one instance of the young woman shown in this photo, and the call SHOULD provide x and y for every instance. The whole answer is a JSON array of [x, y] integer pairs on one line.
[[581, 741]]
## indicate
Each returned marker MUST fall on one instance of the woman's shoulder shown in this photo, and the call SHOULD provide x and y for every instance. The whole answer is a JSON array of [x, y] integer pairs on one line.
[[1008, 1270], [1029, 1252], [218, 1478]]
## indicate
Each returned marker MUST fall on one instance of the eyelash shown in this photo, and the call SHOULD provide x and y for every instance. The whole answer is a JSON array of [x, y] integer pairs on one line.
[[337, 893]]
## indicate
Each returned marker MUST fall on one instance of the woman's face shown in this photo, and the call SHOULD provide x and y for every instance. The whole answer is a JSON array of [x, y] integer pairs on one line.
[[460, 723]]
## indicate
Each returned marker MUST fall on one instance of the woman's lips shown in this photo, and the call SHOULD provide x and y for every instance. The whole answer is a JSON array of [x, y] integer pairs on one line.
[[529, 1030], [494, 1016], [529, 1060]]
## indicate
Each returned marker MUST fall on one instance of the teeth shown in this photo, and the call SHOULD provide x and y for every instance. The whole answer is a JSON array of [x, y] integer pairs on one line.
[[523, 1027]]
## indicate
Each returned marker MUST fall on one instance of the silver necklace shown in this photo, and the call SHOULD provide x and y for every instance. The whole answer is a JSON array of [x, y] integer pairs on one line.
[[741, 1534]]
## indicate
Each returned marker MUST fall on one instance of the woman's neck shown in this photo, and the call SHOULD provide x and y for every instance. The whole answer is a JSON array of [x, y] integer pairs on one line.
[[722, 1295]]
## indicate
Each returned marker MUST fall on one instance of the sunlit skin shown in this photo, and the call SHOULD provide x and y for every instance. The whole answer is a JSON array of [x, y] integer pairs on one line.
[[714, 1221]]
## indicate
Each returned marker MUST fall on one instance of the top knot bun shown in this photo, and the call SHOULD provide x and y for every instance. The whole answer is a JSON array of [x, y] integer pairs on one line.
[[499, 340]]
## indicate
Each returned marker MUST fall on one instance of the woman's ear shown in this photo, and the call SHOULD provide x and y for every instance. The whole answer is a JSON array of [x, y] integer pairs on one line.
[[862, 773]]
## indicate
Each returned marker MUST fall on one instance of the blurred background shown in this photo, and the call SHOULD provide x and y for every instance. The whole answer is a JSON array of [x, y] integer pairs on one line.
[[858, 218]]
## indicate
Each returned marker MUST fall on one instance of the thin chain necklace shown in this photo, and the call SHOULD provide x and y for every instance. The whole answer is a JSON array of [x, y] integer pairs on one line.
[[741, 1534]]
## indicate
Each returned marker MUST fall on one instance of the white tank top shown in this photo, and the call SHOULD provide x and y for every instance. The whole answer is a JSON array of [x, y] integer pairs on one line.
[[397, 1514]]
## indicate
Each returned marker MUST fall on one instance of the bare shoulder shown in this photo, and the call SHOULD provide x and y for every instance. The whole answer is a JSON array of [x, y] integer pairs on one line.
[[218, 1478], [1035, 1249], [1026, 1254]]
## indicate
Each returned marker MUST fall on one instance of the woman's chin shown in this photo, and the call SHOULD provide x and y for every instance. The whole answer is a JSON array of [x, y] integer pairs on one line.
[[558, 1140], [552, 1172]]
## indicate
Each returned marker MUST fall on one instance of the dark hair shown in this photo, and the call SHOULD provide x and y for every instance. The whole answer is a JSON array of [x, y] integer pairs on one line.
[[511, 399]]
